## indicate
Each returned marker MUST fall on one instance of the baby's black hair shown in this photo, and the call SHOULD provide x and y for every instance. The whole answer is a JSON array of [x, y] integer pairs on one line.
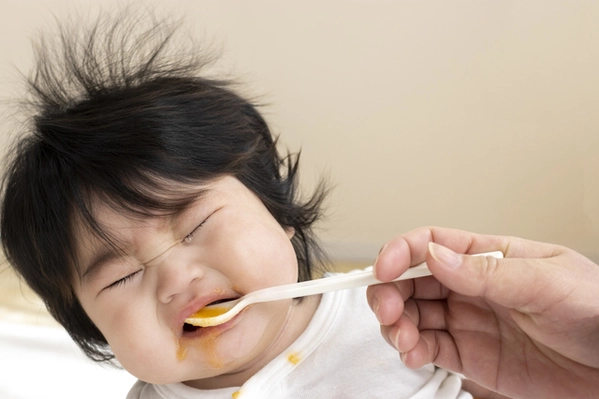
[[118, 110]]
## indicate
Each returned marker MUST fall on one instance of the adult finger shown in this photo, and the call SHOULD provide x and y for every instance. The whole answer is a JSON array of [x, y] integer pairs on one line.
[[411, 248], [510, 282]]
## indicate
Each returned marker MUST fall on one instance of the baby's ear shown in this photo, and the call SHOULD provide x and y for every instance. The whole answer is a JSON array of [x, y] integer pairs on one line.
[[290, 231]]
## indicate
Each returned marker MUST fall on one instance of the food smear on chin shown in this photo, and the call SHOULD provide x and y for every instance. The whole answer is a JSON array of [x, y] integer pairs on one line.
[[205, 345], [181, 351]]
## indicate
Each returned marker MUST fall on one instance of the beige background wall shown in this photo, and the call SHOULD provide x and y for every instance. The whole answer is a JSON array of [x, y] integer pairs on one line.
[[480, 115]]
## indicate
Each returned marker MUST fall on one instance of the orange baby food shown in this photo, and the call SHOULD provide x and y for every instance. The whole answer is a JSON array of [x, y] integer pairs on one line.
[[181, 351], [206, 345], [209, 311], [294, 358]]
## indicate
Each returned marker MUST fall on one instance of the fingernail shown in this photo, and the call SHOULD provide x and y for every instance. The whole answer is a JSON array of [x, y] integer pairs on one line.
[[377, 258], [375, 309], [383, 247], [402, 356], [396, 338], [444, 255]]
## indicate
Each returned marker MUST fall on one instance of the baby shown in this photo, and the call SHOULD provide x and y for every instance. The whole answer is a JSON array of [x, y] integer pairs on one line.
[[144, 192]]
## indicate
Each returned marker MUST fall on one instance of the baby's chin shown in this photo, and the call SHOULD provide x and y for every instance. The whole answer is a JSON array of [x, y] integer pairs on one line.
[[245, 343], [173, 372]]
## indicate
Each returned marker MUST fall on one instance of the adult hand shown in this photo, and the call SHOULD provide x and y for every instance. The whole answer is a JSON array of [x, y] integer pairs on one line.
[[526, 326]]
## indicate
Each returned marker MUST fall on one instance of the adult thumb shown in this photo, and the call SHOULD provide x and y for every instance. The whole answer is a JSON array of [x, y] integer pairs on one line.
[[510, 282]]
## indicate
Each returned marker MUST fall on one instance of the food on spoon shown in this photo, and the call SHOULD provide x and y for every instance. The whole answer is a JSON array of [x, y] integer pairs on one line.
[[197, 319]]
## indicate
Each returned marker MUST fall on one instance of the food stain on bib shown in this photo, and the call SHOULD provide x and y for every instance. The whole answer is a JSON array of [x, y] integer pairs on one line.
[[236, 395], [294, 358]]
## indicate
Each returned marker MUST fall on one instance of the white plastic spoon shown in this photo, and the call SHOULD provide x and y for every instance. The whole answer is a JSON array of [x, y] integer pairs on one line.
[[220, 313]]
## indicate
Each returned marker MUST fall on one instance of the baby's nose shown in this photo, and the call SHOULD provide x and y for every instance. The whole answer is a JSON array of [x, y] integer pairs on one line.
[[175, 275]]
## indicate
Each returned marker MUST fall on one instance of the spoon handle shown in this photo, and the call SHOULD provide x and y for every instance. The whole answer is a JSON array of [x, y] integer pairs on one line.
[[333, 283]]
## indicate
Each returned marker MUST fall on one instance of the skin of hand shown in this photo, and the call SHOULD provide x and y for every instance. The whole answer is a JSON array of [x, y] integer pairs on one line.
[[526, 326]]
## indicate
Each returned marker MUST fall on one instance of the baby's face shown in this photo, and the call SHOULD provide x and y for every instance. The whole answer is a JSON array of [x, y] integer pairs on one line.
[[226, 244]]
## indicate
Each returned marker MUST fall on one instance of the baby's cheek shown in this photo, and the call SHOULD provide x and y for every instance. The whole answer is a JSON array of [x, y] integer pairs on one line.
[[148, 362], [252, 342], [267, 324], [140, 348]]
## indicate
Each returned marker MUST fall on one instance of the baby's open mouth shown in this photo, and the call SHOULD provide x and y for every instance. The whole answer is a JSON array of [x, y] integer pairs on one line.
[[190, 328], [187, 328]]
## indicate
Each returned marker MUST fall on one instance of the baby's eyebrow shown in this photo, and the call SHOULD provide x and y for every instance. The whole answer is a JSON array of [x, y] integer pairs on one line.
[[97, 263]]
